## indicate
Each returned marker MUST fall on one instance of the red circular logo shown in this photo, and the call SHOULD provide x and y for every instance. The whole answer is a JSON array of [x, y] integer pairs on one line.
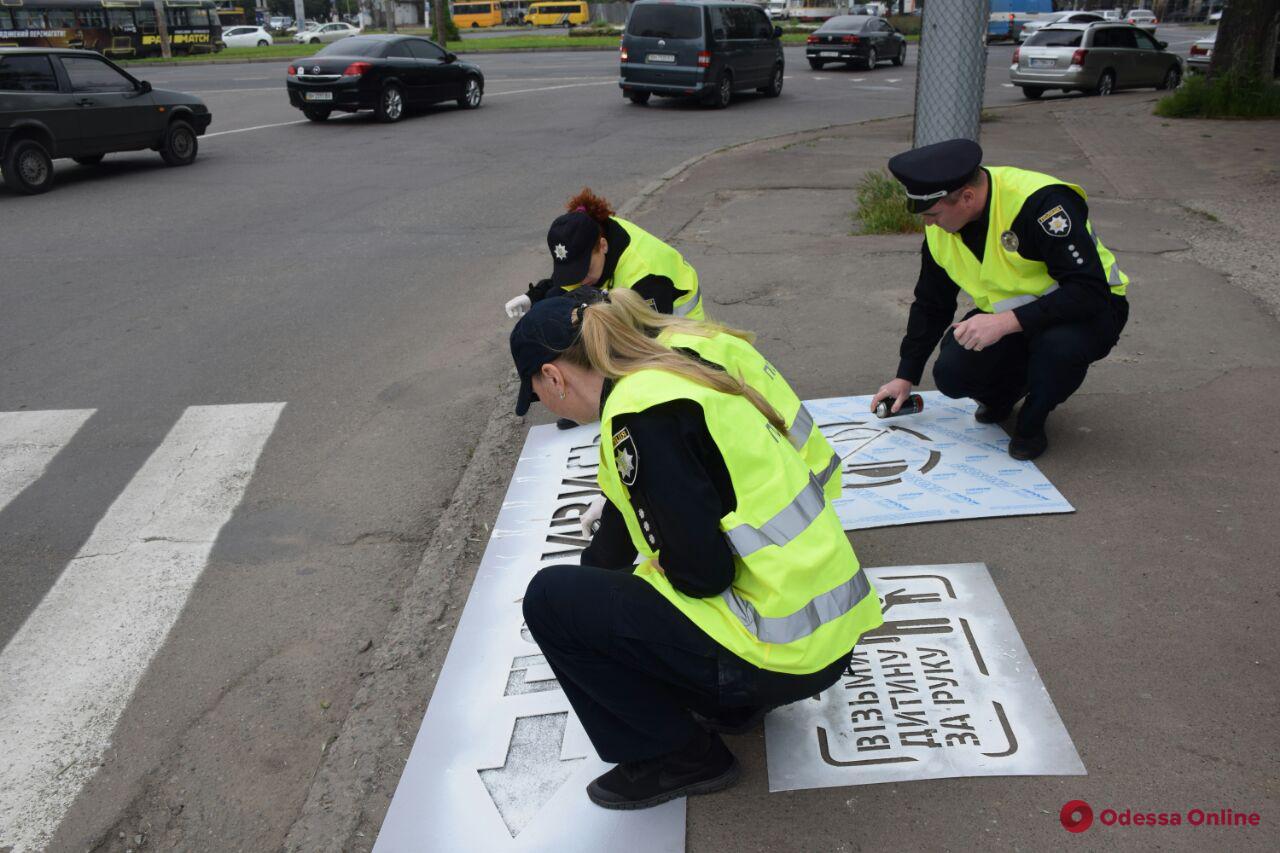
[[1076, 816]]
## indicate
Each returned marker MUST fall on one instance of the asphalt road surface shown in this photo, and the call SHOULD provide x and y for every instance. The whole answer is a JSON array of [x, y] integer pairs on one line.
[[262, 376]]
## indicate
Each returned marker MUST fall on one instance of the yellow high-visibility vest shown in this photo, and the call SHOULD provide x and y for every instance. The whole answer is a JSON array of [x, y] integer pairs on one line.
[[1003, 279], [799, 600]]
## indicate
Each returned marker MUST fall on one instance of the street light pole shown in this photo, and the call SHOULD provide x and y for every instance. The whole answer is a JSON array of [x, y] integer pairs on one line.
[[952, 71]]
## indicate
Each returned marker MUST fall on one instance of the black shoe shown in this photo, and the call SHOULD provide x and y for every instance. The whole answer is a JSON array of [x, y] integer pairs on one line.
[[644, 784], [565, 423], [991, 414], [1028, 447], [737, 721]]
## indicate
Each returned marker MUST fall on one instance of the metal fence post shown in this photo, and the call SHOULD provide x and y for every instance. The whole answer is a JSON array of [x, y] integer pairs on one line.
[[951, 71]]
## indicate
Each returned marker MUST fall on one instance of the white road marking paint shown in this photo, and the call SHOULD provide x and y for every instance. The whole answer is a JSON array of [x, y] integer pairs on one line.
[[489, 79], [1007, 85], [609, 82], [247, 89], [28, 443], [256, 127], [69, 671], [893, 80]]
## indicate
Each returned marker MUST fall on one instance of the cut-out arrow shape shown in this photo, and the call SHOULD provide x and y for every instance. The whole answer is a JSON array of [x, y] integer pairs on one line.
[[533, 770]]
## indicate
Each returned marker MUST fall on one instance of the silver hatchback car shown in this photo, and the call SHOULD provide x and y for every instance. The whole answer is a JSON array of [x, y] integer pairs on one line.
[[1095, 59]]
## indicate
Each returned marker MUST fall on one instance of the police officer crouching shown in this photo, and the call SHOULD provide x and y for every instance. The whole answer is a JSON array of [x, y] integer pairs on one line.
[[748, 594], [592, 246], [1050, 296]]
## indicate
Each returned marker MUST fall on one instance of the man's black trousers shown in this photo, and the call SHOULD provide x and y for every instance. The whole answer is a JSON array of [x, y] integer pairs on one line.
[[1048, 366], [633, 666]]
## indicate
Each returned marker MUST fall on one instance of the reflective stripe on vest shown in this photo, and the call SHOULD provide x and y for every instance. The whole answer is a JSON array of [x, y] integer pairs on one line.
[[801, 427], [1113, 277], [832, 467], [790, 521], [1018, 301], [687, 308], [825, 608]]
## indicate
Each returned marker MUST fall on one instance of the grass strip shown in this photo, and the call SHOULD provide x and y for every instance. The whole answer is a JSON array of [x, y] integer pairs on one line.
[[1229, 96], [882, 207]]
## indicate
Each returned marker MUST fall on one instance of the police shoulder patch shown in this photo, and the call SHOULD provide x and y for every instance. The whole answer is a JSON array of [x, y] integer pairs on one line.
[[625, 456], [1055, 222]]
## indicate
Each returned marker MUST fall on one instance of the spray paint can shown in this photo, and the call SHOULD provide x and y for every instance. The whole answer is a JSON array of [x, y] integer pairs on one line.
[[914, 404]]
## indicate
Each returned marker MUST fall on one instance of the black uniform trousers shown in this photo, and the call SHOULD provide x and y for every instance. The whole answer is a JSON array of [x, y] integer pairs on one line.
[[1048, 365], [633, 666]]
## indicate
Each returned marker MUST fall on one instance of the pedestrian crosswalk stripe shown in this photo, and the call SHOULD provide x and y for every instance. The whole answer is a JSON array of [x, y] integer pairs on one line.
[[71, 668], [29, 441]]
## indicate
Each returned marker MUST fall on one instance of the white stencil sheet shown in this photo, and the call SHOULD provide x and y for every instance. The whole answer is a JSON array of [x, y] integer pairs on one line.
[[944, 688], [938, 465], [501, 762]]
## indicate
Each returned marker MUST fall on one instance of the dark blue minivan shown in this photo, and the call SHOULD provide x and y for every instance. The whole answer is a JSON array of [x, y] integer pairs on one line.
[[682, 49]]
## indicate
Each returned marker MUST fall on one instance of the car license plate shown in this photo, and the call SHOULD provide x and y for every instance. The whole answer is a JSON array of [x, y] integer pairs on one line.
[[1041, 63], [661, 57], [829, 53], [319, 96]]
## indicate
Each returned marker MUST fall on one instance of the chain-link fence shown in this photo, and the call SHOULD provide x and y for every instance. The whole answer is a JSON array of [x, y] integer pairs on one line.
[[952, 71]]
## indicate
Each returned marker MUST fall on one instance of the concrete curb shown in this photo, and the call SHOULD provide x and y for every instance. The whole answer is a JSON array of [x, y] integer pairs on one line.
[[654, 187], [386, 712]]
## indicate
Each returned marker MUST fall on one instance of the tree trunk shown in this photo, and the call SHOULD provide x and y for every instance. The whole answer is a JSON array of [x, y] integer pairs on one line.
[[390, 6], [162, 31], [1246, 43]]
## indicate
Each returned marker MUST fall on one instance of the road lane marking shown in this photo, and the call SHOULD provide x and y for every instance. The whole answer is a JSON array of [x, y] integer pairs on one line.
[[70, 670], [255, 127], [28, 443], [610, 82], [245, 89]]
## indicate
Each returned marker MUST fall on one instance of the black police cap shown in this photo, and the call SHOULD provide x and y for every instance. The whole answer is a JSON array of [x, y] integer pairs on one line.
[[549, 328], [571, 240], [930, 172]]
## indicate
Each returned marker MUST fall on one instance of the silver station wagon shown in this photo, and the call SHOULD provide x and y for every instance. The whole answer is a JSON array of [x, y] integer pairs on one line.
[[1095, 59]]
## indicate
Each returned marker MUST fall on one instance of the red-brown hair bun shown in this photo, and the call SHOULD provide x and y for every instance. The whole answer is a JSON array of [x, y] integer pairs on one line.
[[591, 204]]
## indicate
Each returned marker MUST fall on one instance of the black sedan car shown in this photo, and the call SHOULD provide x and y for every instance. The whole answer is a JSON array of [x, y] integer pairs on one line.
[[76, 103], [388, 74], [855, 39]]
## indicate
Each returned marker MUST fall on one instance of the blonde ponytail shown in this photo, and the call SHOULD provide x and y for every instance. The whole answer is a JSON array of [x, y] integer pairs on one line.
[[635, 310], [615, 341]]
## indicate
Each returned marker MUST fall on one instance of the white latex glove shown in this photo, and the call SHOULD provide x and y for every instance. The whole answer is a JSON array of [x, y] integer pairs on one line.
[[518, 306], [590, 518]]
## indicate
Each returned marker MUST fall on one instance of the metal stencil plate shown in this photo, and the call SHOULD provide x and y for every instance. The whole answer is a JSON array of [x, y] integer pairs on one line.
[[939, 465], [501, 761], [944, 688]]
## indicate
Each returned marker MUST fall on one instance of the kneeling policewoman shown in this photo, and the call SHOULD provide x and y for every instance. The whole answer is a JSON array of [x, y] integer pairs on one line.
[[592, 246], [748, 594]]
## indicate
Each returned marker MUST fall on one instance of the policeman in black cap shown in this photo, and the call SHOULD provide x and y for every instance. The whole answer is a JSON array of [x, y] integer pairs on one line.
[[1050, 296], [591, 245]]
